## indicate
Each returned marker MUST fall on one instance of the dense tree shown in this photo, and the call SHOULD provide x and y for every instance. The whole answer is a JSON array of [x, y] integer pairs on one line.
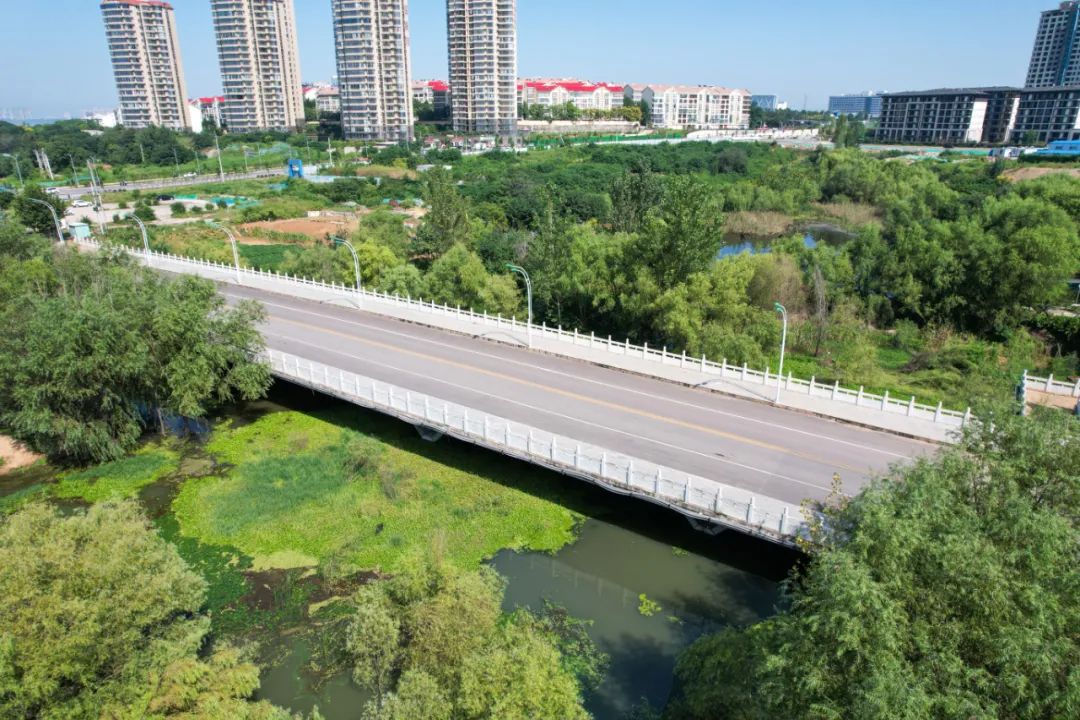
[[684, 234], [439, 636], [100, 341], [102, 618], [460, 278], [948, 591], [633, 196], [27, 206], [447, 221]]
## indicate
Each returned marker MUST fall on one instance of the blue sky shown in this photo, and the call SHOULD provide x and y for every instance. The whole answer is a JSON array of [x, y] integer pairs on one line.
[[53, 58]]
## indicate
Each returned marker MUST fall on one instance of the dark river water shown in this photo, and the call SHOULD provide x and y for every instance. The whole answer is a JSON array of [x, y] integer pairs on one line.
[[813, 235]]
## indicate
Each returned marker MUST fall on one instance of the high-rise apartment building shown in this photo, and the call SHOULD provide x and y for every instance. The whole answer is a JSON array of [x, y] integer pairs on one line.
[[371, 40], [146, 63], [1055, 60], [482, 37], [260, 64]]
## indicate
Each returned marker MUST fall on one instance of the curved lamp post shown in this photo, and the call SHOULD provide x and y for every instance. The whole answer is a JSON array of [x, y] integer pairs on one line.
[[145, 236], [18, 171], [529, 293], [783, 343], [355, 259], [55, 217], [232, 239]]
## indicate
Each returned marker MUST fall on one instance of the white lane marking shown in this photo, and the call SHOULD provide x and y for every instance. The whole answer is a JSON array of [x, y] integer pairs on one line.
[[641, 393], [554, 414]]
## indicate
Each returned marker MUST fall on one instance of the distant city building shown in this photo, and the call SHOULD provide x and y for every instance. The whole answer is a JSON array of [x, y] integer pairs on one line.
[[1046, 115], [634, 92], [1055, 59], [328, 100], [371, 40], [210, 108], [260, 65], [702, 107], [146, 63], [482, 42], [104, 118], [949, 116], [868, 104], [765, 102], [580, 94], [432, 92], [195, 116]]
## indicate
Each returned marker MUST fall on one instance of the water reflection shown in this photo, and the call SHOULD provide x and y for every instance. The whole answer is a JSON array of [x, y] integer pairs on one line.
[[602, 577]]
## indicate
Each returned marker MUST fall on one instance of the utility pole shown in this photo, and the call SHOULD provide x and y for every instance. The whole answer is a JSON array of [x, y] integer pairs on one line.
[[95, 192], [74, 172], [221, 167], [176, 159], [142, 153]]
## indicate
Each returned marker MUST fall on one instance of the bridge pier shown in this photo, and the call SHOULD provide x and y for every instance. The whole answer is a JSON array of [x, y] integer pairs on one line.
[[708, 528], [429, 434]]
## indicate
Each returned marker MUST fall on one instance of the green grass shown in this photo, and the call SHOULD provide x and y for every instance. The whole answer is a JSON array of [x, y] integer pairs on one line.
[[14, 501], [265, 257], [307, 491], [119, 479]]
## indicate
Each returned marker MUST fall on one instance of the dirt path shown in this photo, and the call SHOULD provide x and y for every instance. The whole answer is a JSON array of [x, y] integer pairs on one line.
[[15, 456]]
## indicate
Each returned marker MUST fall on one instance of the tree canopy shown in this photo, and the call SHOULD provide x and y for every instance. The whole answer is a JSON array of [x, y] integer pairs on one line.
[[94, 348], [102, 618], [948, 590]]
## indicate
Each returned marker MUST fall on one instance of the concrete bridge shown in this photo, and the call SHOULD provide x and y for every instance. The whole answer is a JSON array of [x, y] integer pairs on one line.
[[702, 438]]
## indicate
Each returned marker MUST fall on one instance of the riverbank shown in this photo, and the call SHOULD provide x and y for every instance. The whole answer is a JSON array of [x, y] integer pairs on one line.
[[287, 507]]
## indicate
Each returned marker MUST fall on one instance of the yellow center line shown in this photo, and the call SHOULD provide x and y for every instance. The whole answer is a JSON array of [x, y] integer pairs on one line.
[[576, 396]]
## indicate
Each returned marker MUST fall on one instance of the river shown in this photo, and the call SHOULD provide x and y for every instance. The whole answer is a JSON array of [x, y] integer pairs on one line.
[[625, 550], [813, 235]]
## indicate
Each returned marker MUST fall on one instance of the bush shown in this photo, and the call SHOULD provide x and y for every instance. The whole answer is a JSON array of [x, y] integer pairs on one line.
[[145, 213], [178, 208], [122, 205]]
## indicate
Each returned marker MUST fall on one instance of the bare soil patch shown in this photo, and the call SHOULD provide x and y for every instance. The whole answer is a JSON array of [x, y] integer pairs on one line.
[[314, 228], [1030, 173], [14, 455]]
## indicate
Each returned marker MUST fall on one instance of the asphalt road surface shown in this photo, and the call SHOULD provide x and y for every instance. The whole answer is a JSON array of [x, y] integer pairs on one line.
[[766, 450]]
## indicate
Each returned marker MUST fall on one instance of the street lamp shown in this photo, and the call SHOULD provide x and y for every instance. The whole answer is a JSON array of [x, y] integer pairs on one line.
[[232, 239], [145, 236], [176, 159], [529, 293], [18, 170], [783, 344], [355, 259], [52, 211]]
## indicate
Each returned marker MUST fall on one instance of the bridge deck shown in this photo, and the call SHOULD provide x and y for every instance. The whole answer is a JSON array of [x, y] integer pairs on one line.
[[763, 449]]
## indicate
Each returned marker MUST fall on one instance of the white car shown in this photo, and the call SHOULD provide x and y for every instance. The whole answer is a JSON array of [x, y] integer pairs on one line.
[[81, 204], [52, 190]]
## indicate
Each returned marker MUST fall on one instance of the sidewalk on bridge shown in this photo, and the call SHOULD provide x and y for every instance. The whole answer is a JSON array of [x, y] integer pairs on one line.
[[583, 348]]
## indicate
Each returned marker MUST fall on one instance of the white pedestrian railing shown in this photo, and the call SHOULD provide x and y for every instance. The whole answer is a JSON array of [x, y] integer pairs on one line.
[[697, 497], [1052, 386], [708, 370]]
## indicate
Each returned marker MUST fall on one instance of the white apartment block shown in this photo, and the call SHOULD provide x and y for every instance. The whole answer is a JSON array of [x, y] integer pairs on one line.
[[634, 92], [432, 92], [583, 95], [145, 57], [482, 37], [260, 64], [328, 100], [371, 41], [700, 107]]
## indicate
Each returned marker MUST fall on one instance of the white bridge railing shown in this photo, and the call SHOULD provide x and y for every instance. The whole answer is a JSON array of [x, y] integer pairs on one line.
[[1051, 386], [654, 359], [696, 497]]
